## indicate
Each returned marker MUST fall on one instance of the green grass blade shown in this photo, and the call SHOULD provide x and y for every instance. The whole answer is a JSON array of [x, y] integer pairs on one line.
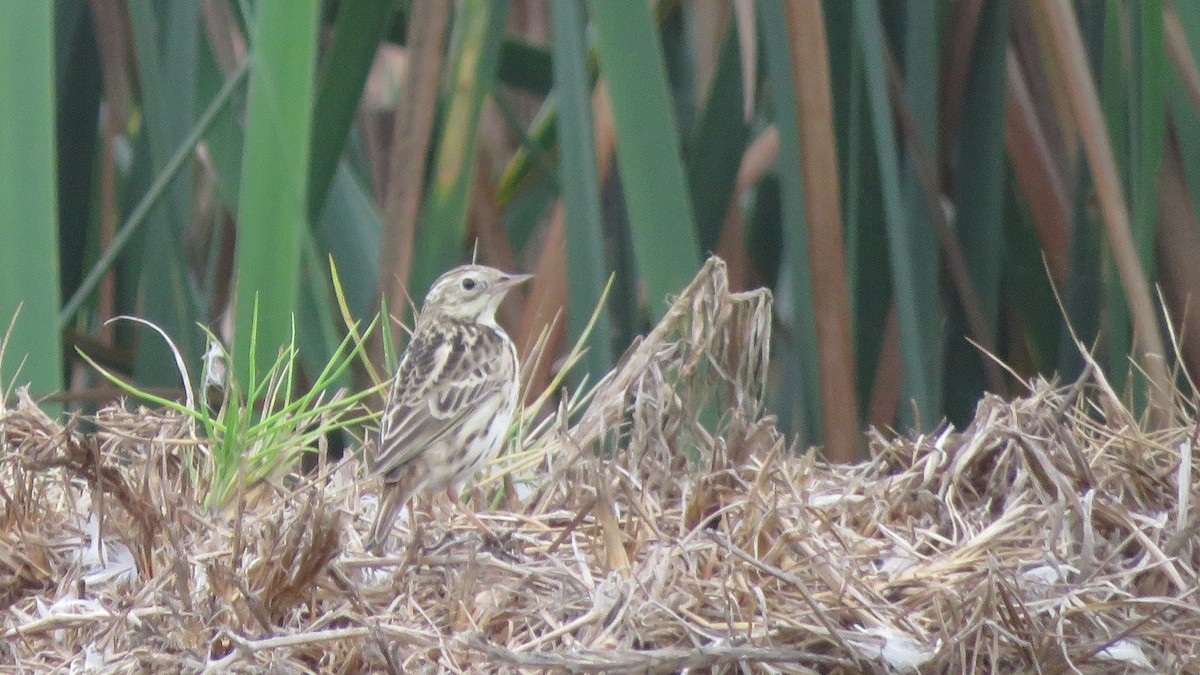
[[272, 209], [317, 333], [28, 202], [140, 212], [1148, 124], [673, 36], [865, 226], [1115, 99], [720, 135], [140, 393], [919, 339], [166, 37], [580, 185], [800, 396], [350, 229], [529, 163], [225, 136], [357, 31], [1085, 300], [80, 84], [921, 77], [661, 222], [980, 176], [481, 25], [1027, 289], [525, 66], [1146, 105], [1186, 120]]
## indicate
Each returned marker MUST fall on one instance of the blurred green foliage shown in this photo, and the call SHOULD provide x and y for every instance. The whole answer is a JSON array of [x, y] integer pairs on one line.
[[181, 159]]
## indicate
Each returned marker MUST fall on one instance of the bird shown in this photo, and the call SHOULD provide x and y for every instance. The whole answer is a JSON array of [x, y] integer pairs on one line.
[[453, 397]]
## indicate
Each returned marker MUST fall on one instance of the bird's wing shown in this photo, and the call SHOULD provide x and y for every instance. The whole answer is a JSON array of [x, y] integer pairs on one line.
[[443, 376]]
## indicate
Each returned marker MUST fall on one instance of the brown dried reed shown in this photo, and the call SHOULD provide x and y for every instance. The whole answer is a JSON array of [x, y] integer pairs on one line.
[[669, 528]]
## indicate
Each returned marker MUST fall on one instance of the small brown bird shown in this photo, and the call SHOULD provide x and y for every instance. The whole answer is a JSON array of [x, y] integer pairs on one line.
[[453, 397]]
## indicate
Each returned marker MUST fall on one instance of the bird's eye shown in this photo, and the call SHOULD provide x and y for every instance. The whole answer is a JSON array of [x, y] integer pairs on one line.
[[468, 284]]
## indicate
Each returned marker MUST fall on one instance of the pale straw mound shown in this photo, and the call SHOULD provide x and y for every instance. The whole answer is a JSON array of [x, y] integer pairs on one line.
[[668, 528]]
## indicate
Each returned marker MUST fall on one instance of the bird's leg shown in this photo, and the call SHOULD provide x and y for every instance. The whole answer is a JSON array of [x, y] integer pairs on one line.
[[452, 495], [415, 549], [413, 522]]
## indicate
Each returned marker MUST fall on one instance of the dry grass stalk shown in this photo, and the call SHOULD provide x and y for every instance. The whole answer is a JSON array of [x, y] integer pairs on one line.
[[669, 528]]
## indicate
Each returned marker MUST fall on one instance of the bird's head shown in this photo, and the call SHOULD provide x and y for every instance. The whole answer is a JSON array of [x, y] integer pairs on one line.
[[470, 293]]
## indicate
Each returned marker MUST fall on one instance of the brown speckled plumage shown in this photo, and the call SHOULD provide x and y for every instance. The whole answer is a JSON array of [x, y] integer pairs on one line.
[[453, 397]]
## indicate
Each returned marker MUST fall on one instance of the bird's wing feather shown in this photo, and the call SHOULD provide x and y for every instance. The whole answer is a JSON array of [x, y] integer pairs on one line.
[[442, 377]]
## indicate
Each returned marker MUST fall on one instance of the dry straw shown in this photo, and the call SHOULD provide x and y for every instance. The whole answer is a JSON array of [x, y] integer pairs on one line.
[[669, 528]]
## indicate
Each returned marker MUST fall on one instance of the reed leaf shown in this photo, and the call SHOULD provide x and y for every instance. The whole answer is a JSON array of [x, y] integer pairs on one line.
[[580, 184], [661, 221], [272, 208], [28, 197]]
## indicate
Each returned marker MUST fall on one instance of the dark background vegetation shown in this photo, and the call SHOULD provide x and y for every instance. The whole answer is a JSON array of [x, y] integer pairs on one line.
[[912, 179]]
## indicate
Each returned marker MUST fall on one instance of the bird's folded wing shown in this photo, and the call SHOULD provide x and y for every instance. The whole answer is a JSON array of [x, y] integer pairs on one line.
[[440, 382]]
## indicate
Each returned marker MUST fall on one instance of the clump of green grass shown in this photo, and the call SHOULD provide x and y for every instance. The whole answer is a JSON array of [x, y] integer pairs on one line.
[[257, 430]]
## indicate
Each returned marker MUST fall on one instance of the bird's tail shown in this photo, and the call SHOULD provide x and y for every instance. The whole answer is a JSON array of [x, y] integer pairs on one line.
[[393, 499]]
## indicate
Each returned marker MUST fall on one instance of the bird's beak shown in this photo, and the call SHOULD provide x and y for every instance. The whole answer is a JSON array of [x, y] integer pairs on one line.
[[510, 280]]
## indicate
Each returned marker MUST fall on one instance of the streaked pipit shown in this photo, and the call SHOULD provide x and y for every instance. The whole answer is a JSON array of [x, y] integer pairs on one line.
[[453, 397]]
